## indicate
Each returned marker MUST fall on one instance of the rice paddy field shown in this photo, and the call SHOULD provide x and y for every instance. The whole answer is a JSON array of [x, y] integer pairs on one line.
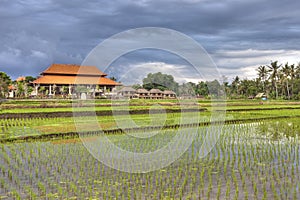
[[256, 155]]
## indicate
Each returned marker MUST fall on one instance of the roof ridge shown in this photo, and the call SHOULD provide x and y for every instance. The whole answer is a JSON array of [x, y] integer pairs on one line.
[[73, 69]]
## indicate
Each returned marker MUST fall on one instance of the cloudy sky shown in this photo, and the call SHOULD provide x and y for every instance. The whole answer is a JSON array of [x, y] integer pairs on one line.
[[239, 35]]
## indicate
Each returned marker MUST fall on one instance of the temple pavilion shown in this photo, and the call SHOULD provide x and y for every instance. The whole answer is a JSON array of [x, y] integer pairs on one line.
[[69, 79]]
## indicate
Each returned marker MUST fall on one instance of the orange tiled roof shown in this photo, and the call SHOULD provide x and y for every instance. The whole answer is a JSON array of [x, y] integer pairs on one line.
[[11, 87], [21, 78], [59, 79], [72, 69]]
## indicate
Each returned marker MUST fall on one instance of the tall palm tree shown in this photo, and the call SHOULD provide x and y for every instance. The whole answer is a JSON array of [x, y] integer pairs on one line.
[[297, 73], [262, 75], [235, 85], [286, 71], [293, 76], [273, 69]]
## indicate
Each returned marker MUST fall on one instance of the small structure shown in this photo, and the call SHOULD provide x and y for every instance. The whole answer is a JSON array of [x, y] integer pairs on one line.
[[143, 93], [259, 95], [169, 94], [156, 94], [263, 96], [11, 91], [61, 79]]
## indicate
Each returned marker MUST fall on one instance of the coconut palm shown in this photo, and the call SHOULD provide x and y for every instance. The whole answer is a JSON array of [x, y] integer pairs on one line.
[[273, 70], [297, 71], [235, 85], [293, 76], [286, 72], [262, 75]]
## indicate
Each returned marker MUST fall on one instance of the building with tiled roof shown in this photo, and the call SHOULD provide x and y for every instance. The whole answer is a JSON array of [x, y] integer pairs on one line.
[[21, 78], [169, 94], [127, 92], [143, 93], [62, 79], [156, 94]]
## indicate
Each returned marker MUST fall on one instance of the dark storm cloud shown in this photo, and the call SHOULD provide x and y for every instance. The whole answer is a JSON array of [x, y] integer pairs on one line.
[[35, 33]]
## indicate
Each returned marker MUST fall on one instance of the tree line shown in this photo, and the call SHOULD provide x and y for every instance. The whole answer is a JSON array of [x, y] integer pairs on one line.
[[22, 86], [276, 81]]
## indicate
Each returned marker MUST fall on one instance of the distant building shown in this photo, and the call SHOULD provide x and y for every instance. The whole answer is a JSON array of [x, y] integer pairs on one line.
[[13, 89], [131, 93], [21, 78], [156, 94], [143, 93], [169, 94], [127, 92], [60, 79]]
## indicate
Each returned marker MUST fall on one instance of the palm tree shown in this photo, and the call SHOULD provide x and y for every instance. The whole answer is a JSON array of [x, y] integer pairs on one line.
[[297, 75], [235, 85], [286, 71], [262, 74], [273, 69], [293, 76]]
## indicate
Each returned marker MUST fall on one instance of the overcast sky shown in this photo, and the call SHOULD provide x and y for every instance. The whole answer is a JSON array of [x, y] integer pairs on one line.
[[239, 35]]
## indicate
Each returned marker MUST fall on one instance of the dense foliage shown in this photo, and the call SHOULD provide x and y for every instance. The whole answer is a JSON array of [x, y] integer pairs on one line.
[[277, 81], [160, 81], [4, 83]]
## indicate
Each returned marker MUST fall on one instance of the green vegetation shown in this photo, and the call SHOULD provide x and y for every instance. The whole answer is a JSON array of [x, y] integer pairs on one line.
[[4, 83], [276, 81], [160, 81]]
